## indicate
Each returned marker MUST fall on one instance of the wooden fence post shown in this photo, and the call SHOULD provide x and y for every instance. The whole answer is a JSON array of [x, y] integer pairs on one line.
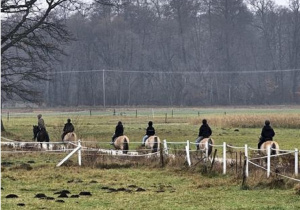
[[245, 172], [213, 160], [161, 155]]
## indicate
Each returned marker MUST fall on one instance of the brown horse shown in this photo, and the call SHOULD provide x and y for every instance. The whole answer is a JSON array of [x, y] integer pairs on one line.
[[122, 143], [210, 145], [153, 142], [273, 145]]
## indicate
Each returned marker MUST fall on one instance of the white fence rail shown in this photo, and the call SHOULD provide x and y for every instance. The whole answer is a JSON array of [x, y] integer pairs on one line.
[[166, 150]]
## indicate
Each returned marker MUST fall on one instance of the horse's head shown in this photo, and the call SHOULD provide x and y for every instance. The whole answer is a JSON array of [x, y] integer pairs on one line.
[[35, 130]]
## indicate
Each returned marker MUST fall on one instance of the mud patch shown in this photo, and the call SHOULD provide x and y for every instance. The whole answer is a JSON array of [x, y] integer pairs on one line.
[[12, 196]]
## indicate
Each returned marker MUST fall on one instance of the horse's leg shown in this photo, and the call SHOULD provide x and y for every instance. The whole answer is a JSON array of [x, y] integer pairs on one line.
[[125, 146], [155, 145]]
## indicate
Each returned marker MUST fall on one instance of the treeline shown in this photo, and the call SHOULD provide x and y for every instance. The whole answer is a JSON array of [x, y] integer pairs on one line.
[[181, 53]]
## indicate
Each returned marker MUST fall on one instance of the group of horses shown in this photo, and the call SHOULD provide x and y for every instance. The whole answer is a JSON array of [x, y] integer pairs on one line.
[[120, 143], [153, 143]]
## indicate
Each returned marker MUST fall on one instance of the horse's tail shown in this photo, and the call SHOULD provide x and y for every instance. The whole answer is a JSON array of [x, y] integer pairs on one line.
[[210, 147], [125, 146], [155, 145], [273, 148]]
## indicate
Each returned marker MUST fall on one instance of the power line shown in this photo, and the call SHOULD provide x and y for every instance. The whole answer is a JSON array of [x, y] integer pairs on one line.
[[176, 72]]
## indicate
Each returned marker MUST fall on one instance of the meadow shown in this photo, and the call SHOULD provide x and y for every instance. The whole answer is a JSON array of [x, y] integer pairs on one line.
[[120, 183]]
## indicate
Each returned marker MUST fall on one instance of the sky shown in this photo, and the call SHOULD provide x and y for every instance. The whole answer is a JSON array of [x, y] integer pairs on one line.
[[282, 2]]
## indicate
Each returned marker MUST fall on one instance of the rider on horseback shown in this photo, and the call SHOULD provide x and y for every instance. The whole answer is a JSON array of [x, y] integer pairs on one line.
[[67, 129], [204, 132], [118, 132], [150, 131], [41, 126], [267, 134]]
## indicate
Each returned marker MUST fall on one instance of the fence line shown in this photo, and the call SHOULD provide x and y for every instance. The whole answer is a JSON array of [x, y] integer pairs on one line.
[[166, 150]]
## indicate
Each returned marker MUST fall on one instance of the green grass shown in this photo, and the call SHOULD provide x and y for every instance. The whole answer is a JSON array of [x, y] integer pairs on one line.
[[175, 186]]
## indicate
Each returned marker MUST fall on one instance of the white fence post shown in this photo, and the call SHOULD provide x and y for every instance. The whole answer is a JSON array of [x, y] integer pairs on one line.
[[166, 147], [187, 149], [69, 155], [246, 156], [79, 153], [268, 161], [224, 158], [296, 162], [206, 150]]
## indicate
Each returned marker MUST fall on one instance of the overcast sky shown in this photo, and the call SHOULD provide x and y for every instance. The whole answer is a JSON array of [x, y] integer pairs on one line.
[[282, 2]]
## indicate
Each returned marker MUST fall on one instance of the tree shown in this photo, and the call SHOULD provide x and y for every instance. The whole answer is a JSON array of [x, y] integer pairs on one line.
[[32, 36]]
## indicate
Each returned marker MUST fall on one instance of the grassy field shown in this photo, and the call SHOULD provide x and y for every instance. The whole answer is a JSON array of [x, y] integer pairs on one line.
[[122, 183]]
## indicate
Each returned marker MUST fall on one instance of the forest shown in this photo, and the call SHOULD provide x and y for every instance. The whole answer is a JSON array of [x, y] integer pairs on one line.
[[163, 53]]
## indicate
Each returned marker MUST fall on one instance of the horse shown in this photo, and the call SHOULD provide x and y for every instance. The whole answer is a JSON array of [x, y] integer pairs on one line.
[[273, 145], [40, 135], [153, 143], [122, 143], [70, 137], [202, 145]]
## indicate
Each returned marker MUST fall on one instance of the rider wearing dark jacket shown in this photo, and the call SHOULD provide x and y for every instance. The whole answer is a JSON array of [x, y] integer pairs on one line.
[[67, 128], [118, 131], [267, 134], [150, 131], [204, 132]]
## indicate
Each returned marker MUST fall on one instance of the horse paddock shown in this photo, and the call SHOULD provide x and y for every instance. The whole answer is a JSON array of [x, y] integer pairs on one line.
[[31, 178]]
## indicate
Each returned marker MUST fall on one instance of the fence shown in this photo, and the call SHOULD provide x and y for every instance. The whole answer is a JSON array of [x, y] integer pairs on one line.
[[166, 151]]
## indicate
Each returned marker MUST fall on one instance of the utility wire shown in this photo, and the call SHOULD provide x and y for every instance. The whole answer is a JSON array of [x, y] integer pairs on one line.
[[176, 72]]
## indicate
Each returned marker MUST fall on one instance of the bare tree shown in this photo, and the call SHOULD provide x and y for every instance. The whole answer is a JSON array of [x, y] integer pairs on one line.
[[32, 37]]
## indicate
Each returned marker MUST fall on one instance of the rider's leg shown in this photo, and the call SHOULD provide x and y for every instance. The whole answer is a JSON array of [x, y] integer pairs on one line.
[[261, 141], [198, 141], [63, 136], [144, 139], [113, 139]]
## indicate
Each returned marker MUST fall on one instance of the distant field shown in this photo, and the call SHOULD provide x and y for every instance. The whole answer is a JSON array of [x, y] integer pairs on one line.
[[172, 124], [124, 183]]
